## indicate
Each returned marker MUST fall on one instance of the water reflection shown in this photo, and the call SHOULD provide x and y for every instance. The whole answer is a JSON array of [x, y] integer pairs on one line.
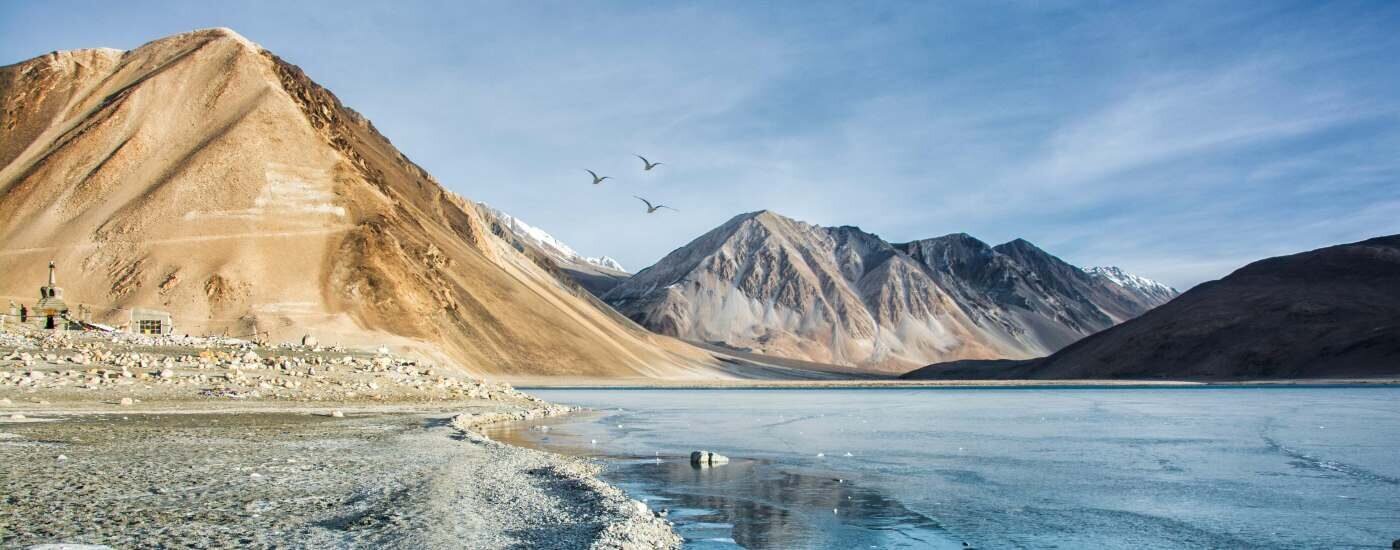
[[747, 502], [1119, 469]]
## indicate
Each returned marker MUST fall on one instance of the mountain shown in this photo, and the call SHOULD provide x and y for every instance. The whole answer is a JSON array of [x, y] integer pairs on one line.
[[203, 175], [597, 275], [1140, 285], [766, 283], [1329, 313]]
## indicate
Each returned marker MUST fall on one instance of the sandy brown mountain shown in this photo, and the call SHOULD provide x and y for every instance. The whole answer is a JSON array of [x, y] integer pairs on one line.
[[203, 175]]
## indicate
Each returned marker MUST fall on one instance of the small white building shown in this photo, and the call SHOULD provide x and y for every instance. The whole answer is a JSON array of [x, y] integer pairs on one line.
[[151, 321]]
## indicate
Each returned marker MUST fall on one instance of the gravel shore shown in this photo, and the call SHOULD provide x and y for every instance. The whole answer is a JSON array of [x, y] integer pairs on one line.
[[299, 447], [296, 480]]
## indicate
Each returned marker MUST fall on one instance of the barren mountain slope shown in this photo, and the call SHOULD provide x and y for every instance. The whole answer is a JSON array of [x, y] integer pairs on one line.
[[840, 295], [1024, 295], [203, 175], [1329, 313]]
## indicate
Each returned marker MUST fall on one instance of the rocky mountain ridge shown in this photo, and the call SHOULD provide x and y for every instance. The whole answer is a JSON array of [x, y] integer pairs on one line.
[[766, 283], [597, 275], [1328, 313]]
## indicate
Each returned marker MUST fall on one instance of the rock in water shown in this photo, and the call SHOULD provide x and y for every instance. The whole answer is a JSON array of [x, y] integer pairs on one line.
[[707, 458]]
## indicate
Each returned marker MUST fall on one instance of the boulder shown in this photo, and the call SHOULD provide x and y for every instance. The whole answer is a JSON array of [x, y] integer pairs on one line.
[[707, 458]]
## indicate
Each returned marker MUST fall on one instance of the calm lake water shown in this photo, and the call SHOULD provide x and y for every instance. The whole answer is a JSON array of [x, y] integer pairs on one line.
[[1002, 468]]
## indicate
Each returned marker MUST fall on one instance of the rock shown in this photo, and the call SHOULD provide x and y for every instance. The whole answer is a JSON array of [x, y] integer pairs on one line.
[[63, 457], [310, 341], [706, 458], [641, 507], [337, 414], [251, 357], [127, 401], [167, 373]]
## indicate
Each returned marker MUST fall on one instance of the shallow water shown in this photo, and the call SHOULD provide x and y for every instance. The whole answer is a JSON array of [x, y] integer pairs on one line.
[[1003, 468]]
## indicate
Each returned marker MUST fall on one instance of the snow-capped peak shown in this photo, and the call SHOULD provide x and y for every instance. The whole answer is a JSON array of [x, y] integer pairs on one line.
[[1128, 280], [548, 243], [604, 261]]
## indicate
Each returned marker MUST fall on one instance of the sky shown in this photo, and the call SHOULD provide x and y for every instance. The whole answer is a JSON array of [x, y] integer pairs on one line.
[[1178, 140]]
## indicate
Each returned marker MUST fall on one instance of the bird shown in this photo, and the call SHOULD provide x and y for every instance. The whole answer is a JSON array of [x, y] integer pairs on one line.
[[651, 208], [597, 179], [646, 164]]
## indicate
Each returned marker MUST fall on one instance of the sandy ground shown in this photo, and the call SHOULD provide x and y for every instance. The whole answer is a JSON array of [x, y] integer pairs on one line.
[[384, 478], [141, 443]]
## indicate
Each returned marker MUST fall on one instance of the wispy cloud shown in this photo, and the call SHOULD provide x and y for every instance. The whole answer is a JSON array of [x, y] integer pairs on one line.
[[1190, 115], [1179, 140]]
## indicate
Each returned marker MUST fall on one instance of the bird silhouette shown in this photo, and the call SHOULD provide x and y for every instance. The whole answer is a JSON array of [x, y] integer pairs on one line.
[[651, 208], [646, 164], [596, 178]]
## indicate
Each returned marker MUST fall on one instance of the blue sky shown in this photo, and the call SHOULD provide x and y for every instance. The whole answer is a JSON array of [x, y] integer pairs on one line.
[[1178, 140]]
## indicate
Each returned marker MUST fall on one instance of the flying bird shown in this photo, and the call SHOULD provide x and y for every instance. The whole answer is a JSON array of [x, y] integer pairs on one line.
[[596, 179], [651, 208], [647, 165]]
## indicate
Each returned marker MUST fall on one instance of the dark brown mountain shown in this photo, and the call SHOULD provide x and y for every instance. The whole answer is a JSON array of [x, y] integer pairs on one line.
[[1329, 313]]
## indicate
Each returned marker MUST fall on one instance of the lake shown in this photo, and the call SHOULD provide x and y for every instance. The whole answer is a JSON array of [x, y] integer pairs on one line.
[[1209, 467]]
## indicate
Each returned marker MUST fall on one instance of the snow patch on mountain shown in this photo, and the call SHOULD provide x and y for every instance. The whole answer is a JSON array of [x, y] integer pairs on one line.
[[606, 262], [1128, 280], [549, 243]]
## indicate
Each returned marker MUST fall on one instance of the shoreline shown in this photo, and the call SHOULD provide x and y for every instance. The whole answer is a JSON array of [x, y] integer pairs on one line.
[[386, 475], [634, 525], [537, 384], [127, 440]]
